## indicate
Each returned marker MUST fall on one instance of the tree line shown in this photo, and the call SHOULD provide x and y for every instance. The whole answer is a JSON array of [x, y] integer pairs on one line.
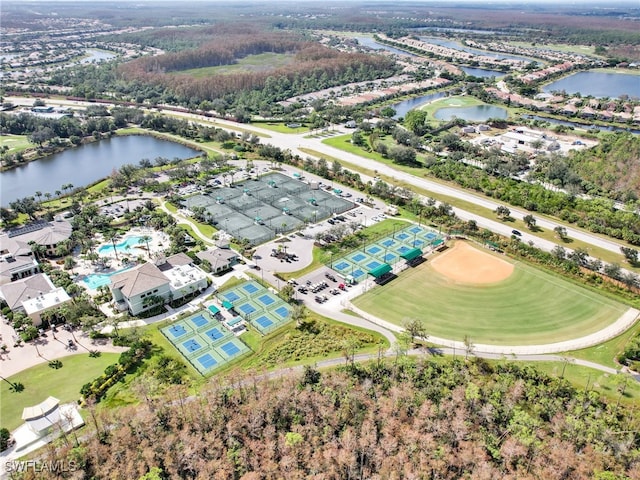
[[400, 417]]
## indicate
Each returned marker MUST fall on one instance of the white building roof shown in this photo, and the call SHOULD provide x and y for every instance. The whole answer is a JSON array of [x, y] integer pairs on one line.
[[45, 301]]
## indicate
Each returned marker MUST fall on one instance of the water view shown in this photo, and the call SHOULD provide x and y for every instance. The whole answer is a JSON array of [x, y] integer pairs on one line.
[[477, 113], [85, 164], [124, 246], [405, 106], [482, 72], [598, 84], [371, 43], [476, 51], [96, 56]]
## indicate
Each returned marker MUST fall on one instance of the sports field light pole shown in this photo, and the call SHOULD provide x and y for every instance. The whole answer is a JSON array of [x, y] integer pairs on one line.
[[331, 259]]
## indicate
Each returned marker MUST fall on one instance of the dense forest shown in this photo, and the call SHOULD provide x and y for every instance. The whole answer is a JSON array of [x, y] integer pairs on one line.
[[313, 67], [613, 165], [397, 419]]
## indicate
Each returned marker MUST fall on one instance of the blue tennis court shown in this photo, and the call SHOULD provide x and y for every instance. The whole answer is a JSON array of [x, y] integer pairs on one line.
[[263, 321], [191, 345], [388, 242], [358, 273], [247, 308], [402, 236], [358, 257], [282, 311], [431, 235], [230, 349], [266, 300], [250, 288], [373, 250], [176, 330], [402, 249], [199, 321], [231, 296], [341, 266], [418, 243], [214, 334], [389, 257], [372, 265], [415, 229], [207, 361]]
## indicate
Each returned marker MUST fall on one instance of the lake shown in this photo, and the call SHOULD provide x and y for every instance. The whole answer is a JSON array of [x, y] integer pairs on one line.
[[482, 72], [475, 51], [477, 113], [371, 43], [85, 164], [405, 106], [96, 56], [598, 84]]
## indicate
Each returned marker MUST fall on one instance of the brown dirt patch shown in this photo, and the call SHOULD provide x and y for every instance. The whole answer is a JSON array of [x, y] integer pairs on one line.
[[467, 264]]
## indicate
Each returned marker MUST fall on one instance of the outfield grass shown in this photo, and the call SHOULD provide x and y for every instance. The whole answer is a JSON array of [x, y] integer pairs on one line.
[[530, 307], [41, 381]]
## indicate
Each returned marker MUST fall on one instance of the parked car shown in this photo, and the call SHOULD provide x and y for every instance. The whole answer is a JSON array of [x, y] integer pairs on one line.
[[516, 232]]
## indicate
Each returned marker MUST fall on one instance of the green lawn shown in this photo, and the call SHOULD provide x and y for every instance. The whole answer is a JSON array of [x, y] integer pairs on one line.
[[604, 383], [530, 307], [250, 63], [41, 381], [605, 353], [279, 127], [15, 143]]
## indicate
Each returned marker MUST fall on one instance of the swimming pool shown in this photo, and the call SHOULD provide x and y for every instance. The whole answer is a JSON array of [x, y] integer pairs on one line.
[[95, 280], [126, 245]]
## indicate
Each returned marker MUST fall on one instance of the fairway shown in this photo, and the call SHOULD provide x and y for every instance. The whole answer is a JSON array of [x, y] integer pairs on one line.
[[528, 307]]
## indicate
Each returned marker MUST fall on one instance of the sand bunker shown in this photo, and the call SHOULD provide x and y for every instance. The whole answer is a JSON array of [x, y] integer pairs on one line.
[[467, 264]]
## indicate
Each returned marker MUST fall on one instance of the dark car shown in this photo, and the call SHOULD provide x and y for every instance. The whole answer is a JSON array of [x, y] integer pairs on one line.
[[516, 232]]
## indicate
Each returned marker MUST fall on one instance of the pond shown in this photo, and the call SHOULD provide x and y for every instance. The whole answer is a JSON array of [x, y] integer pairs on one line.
[[477, 113], [96, 56], [598, 84], [405, 106], [371, 43], [85, 164], [481, 72]]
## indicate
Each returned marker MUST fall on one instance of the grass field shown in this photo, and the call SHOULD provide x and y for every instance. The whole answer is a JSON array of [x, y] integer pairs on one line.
[[250, 63], [41, 381], [15, 143], [530, 307]]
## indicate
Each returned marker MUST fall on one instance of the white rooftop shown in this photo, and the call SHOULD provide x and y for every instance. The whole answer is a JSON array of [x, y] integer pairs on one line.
[[45, 301]]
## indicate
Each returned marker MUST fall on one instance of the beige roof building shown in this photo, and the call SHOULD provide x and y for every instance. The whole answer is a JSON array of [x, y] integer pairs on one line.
[[139, 280], [33, 295]]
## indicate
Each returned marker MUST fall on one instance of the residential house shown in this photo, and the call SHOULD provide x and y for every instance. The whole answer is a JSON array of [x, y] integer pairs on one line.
[[46, 234]]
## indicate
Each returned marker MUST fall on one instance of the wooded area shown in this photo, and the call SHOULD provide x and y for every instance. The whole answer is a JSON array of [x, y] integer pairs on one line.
[[396, 419]]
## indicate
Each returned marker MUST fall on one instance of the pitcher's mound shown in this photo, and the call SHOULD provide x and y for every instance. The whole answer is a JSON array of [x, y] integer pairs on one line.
[[467, 264]]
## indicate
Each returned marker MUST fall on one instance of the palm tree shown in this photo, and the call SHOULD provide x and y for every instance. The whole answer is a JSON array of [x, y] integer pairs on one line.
[[112, 235], [37, 249], [39, 195], [145, 239]]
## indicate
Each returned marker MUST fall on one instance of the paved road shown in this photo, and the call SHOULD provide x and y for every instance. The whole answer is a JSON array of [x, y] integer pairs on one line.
[[294, 142]]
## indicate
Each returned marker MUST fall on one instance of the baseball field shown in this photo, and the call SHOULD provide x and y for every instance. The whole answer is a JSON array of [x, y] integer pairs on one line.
[[468, 290]]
